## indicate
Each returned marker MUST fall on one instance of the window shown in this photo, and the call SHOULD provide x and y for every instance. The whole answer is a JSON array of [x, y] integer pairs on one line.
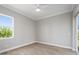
[[6, 27]]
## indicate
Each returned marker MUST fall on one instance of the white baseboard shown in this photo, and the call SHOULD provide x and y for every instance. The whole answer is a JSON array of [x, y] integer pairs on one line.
[[54, 45], [17, 46], [35, 42], [74, 49]]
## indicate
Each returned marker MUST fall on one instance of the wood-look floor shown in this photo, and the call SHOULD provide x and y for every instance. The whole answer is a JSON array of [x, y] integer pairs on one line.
[[40, 49]]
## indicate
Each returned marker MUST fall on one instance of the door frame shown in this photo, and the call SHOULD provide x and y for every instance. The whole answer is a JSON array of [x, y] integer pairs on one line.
[[75, 34]]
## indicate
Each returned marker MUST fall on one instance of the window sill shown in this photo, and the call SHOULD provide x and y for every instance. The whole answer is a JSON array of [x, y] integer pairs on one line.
[[6, 38]]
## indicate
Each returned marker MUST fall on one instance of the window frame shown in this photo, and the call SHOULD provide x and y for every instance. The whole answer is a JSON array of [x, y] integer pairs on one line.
[[12, 26]]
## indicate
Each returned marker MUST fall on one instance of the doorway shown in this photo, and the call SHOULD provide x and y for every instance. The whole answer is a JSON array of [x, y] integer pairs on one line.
[[77, 32]]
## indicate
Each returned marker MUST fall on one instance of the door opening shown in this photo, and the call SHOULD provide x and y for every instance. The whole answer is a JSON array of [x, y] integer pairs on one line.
[[77, 32]]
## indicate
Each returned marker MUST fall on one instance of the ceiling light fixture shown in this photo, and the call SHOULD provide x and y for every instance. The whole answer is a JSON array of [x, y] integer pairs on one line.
[[37, 8]]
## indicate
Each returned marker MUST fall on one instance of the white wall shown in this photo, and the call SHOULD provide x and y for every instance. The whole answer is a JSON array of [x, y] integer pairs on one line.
[[76, 10], [24, 30], [56, 30]]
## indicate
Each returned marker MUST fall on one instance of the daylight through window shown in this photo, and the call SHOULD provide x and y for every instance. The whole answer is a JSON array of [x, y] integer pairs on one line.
[[6, 26]]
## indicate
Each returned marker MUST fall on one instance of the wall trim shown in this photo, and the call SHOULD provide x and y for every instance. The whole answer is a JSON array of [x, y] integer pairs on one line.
[[56, 14], [8, 49], [55, 45], [73, 49], [46, 43], [15, 10], [22, 13]]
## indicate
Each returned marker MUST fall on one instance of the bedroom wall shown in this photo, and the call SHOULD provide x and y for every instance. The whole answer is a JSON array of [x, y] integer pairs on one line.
[[56, 30], [24, 30]]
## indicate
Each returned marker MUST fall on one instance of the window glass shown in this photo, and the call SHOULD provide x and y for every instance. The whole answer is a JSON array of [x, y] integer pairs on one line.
[[6, 26]]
